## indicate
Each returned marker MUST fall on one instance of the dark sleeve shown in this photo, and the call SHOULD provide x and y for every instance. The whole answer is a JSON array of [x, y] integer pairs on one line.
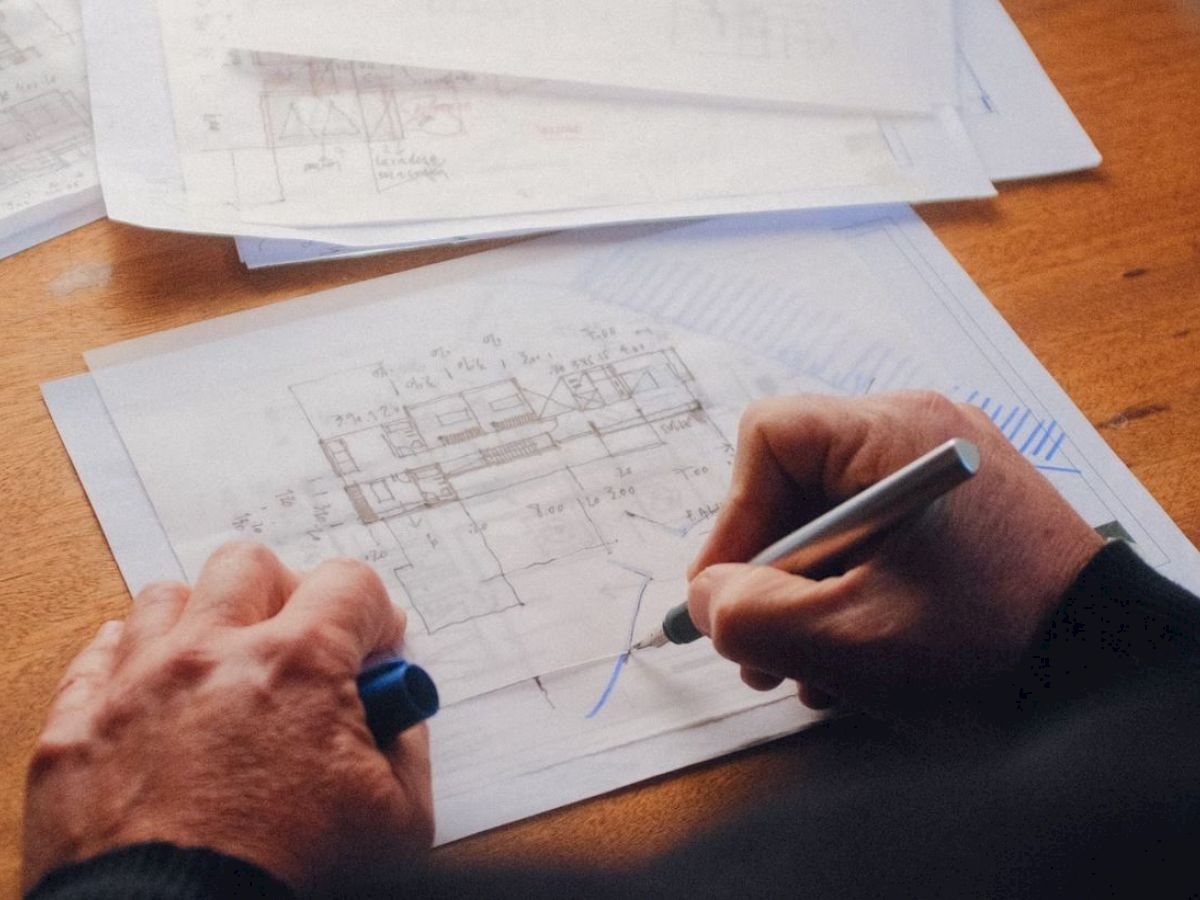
[[160, 871], [1119, 620]]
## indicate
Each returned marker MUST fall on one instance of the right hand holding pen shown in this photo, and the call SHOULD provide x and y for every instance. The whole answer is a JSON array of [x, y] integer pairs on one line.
[[946, 599]]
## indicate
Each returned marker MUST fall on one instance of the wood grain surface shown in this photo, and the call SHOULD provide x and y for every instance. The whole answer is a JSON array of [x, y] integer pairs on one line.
[[1098, 273]]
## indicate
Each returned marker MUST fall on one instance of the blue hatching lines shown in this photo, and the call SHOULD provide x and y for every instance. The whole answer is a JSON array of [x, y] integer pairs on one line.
[[624, 657], [1037, 440]]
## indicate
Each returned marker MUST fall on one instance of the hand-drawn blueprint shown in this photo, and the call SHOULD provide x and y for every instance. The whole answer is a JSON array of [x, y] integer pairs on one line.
[[541, 442], [529, 444], [46, 165], [312, 142]]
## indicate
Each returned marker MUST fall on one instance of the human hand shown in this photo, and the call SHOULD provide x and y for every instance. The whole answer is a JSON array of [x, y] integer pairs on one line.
[[945, 600], [227, 716]]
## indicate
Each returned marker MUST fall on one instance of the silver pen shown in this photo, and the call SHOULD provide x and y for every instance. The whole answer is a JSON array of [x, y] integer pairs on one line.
[[866, 513]]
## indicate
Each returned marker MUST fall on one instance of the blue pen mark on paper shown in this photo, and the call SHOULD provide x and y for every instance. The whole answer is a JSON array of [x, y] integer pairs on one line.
[[612, 683], [1039, 441], [624, 657]]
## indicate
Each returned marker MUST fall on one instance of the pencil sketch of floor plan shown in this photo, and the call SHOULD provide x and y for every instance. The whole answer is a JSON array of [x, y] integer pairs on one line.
[[321, 114], [46, 148], [44, 134], [504, 477], [304, 141]]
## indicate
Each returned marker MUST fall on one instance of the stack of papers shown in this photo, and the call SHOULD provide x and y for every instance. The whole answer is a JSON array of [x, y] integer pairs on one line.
[[306, 133]]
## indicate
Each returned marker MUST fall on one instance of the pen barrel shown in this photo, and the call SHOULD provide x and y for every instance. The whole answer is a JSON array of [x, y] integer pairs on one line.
[[396, 695], [884, 503], [678, 626]]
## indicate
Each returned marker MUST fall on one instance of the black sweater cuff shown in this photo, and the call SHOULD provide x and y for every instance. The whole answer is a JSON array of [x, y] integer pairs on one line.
[[1118, 618], [160, 871]]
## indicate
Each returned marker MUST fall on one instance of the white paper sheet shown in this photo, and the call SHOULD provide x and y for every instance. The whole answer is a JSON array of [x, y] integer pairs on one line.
[[1019, 123], [849, 301], [840, 54], [138, 543], [303, 142], [143, 178], [48, 181]]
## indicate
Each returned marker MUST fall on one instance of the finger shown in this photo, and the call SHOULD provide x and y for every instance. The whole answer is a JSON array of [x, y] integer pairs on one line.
[[760, 680], [814, 697], [242, 583], [83, 677], [761, 617], [798, 456], [408, 756], [344, 600], [779, 472], [156, 608]]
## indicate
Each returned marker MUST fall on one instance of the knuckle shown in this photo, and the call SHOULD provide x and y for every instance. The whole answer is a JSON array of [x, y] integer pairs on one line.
[[246, 553], [758, 414], [936, 406], [53, 753], [161, 592], [978, 420], [314, 649], [185, 665], [355, 574]]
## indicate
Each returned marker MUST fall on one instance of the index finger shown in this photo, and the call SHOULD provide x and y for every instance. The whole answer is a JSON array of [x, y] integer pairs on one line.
[[345, 600], [799, 456], [778, 474]]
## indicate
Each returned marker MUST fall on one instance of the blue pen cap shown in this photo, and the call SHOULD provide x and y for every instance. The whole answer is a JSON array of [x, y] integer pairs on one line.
[[396, 695]]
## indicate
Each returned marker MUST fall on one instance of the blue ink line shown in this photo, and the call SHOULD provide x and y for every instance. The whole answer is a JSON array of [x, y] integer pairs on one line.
[[1067, 469], [1012, 435], [974, 394], [1045, 437], [1011, 413], [984, 405], [1033, 434], [612, 683], [1057, 444], [624, 657]]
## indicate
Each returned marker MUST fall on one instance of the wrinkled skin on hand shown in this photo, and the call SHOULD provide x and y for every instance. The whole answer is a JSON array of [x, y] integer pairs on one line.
[[226, 715], [949, 598]]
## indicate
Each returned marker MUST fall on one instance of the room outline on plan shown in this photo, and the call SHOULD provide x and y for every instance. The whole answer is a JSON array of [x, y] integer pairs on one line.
[[479, 485]]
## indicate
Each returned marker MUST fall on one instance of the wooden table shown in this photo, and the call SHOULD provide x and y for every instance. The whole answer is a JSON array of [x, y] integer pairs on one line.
[[1099, 274]]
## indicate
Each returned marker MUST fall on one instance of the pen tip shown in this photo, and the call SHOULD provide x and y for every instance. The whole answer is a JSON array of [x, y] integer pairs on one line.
[[655, 640]]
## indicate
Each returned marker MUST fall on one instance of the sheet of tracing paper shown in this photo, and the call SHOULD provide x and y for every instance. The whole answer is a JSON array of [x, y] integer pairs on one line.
[[1018, 123], [48, 180], [204, 136], [529, 445]]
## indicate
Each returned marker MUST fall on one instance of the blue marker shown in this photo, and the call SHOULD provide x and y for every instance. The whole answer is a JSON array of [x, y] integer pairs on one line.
[[396, 695]]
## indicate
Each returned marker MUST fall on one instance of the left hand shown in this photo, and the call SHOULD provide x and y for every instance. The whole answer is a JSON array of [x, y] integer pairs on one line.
[[227, 716]]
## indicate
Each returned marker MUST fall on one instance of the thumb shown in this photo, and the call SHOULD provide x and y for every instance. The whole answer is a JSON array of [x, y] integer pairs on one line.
[[758, 616]]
